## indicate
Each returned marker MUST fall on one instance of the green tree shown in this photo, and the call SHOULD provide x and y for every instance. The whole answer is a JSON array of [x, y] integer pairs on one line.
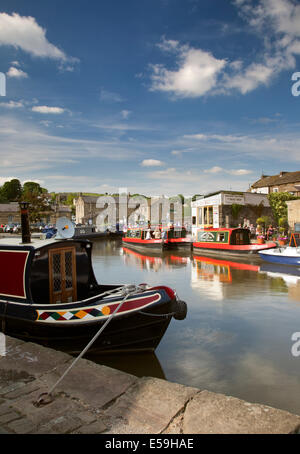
[[278, 204], [31, 186], [39, 200], [11, 191]]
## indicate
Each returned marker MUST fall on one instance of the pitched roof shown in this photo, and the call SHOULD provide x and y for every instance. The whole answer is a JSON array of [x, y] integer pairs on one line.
[[273, 180]]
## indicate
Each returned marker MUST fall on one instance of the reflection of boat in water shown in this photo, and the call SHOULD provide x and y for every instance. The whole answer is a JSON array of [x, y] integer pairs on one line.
[[288, 273], [210, 268], [138, 364], [230, 242], [155, 261], [214, 277]]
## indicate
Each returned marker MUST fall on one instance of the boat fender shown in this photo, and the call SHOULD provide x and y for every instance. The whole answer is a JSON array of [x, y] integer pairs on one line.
[[180, 310]]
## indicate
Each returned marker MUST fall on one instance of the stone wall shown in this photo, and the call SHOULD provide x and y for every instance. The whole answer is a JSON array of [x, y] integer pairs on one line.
[[293, 213]]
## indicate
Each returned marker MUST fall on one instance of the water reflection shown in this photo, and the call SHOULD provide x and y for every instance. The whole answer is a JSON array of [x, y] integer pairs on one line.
[[286, 275], [154, 261], [236, 338], [212, 275], [138, 364]]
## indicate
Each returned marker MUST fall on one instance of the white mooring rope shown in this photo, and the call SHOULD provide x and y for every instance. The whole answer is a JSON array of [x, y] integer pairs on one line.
[[126, 290]]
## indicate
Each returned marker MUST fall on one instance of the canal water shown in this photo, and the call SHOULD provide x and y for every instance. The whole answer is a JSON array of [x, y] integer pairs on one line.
[[237, 337]]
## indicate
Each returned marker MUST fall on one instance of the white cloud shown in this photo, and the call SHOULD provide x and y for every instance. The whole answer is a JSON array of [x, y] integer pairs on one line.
[[48, 110], [152, 163], [23, 32], [5, 179], [17, 73], [110, 96], [240, 172], [237, 172], [12, 104], [196, 72], [215, 169], [279, 145], [125, 114]]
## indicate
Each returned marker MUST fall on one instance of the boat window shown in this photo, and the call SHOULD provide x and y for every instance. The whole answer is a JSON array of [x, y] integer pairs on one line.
[[62, 275], [133, 234], [221, 237]]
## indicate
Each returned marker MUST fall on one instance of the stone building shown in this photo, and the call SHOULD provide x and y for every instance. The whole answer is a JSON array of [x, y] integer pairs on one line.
[[116, 209], [283, 182], [229, 209], [294, 215], [59, 211], [10, 213]]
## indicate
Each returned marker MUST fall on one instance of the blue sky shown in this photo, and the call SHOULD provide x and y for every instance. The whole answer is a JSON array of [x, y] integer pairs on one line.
[[160, 96]]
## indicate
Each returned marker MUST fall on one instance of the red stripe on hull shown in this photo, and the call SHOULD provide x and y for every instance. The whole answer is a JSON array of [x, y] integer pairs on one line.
[[135, 304], [139, 241], [235, 248]]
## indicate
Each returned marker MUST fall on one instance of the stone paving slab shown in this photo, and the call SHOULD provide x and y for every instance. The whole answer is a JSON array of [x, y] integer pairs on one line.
[[31, 358], [92, 383], [211, 413], [149, 406]]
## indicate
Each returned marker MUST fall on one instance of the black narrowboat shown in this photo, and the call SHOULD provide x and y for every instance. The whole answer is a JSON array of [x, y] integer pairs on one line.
[[49, 295]]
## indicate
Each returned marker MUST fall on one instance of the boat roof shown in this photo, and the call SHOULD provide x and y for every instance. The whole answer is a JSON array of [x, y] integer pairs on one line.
[[218, 229], [36, 243]]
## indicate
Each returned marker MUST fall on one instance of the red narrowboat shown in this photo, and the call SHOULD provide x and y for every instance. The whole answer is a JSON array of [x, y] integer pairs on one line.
[[157, 239], [49, 295], [234, 241]]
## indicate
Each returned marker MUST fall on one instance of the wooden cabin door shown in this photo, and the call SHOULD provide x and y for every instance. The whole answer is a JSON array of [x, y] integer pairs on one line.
[[62, 275]]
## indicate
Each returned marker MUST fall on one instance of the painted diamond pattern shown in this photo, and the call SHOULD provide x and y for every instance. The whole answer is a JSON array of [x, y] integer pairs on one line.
[[91, 313]]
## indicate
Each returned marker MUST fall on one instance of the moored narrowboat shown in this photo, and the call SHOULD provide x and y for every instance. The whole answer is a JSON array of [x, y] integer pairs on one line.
[[231, 241], [49, 295], [157, 239]]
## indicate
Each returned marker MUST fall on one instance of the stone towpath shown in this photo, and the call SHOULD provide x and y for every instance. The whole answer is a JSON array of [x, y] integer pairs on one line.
[[95, 399]]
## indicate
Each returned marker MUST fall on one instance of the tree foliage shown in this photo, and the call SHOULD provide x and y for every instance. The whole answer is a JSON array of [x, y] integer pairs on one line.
[[278, 204], [11, 191], [38, 197]]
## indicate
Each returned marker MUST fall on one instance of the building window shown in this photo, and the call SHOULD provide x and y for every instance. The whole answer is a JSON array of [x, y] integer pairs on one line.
[[275, 189], [208, 216], [200, 216], [194, 220]]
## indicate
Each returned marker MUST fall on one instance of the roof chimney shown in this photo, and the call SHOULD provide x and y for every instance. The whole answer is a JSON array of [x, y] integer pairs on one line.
[[26, 237]]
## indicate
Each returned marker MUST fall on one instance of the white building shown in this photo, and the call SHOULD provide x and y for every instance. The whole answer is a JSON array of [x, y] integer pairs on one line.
[[228, 209]]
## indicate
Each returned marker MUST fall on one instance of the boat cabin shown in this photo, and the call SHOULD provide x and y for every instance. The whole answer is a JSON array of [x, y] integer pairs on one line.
[[46, 271], [237, 236], [170, 233]]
